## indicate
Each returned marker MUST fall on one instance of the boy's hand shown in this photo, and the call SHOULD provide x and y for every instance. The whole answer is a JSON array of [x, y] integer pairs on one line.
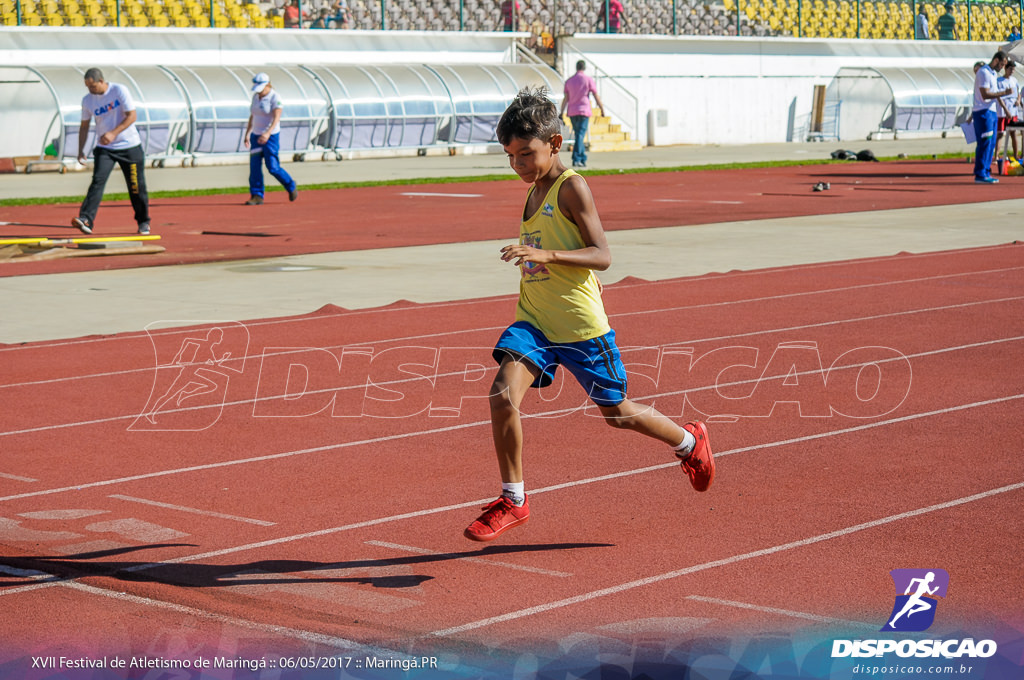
[[523, 253]]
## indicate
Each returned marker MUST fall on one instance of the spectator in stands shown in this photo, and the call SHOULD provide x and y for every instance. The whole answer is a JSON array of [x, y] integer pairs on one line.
[[921, 24], [293, 16], [117, 142], [616, 11], [512, 15], [576, 100], [1009, 107], [986, 101], [947, 24], [1014, 34], [262, 138], [323, 19], [342, 17]]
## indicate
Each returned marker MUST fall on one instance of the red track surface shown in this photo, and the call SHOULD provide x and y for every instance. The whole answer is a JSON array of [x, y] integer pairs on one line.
[[211, 228], [866, 417], [271, 512]]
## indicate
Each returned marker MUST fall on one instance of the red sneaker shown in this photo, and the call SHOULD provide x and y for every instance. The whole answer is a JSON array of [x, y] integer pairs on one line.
[[699, 466], [499, 516]]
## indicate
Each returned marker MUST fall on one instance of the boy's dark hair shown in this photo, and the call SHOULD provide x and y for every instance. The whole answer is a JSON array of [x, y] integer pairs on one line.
[[531, 115], [93, 74]]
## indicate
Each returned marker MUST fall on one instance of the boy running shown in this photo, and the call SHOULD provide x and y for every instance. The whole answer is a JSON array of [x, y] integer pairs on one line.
[[560, 318]]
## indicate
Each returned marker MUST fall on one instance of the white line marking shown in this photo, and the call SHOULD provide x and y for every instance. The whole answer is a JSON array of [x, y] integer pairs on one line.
[[207, 513], [303, 635], [782, 612], [475, 560], [478, 423], [439, 194], [17, 478], [659, 578], [243, 402], [660, 310], [555, 487], [490, 301], [693, 200]]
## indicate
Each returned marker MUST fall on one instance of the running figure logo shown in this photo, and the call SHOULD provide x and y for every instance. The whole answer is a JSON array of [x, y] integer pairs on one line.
[[190, 385], [914, 610]]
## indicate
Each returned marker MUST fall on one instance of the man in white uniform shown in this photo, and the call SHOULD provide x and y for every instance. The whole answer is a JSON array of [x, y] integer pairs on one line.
[[986, 102], [262, 137], [117, 142]]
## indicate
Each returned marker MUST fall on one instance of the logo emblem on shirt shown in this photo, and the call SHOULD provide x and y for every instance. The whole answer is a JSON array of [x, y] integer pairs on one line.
[[548, 210], [107, 107], [531, 269]]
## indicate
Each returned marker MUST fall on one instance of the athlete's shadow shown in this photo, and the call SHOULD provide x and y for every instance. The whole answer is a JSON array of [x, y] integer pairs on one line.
[[25, 571]]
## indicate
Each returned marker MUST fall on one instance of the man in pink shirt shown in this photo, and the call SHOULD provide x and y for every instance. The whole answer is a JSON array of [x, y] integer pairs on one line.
[[576, 101]]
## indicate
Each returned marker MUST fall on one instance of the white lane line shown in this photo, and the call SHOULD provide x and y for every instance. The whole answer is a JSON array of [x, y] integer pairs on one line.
[[725, 562], [439, 194], [17, 478], [254, 459], [476, 560], [196, 511], [555, 487], [243, 402], [692, 200], [462, 303], [782, 612], [302, 635], [660, 310], [478, 423]]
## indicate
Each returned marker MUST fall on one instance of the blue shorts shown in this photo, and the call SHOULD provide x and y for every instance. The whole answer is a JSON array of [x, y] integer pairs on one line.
[[596, 363]]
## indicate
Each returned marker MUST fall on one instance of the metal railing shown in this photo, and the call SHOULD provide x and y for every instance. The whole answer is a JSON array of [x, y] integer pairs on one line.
[[619, 103]]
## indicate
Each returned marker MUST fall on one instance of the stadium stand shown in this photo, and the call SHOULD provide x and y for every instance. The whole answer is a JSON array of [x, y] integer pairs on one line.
[[547, 19]]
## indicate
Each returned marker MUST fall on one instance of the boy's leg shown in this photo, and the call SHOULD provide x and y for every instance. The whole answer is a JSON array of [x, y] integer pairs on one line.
[[597, 365], [690, 441], [645, 420], [507, 391]]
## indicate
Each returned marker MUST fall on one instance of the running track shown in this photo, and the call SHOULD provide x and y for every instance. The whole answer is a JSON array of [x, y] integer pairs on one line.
[[865, 415], [216, 228]]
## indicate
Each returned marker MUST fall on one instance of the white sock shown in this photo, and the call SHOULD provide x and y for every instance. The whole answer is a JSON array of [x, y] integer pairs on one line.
[[687, 444], [515, 491]]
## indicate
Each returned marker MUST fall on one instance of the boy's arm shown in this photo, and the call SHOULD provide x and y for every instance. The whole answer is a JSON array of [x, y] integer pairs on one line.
[[577, 204]]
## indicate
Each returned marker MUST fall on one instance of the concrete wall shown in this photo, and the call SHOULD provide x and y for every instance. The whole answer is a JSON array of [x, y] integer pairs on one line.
[[85, 46], [717, 90]]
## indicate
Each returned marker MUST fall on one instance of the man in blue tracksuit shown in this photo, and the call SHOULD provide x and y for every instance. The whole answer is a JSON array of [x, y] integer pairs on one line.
[[986, 99], [262, 138]]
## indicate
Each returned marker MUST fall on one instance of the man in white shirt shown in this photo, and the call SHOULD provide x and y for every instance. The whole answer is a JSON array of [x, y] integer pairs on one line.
[[986, 101], [117, 142], [1009, 108], [262, 138], [921, 25]]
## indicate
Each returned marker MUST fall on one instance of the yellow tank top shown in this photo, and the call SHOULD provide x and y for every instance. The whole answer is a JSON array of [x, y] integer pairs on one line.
[[562, 302]]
